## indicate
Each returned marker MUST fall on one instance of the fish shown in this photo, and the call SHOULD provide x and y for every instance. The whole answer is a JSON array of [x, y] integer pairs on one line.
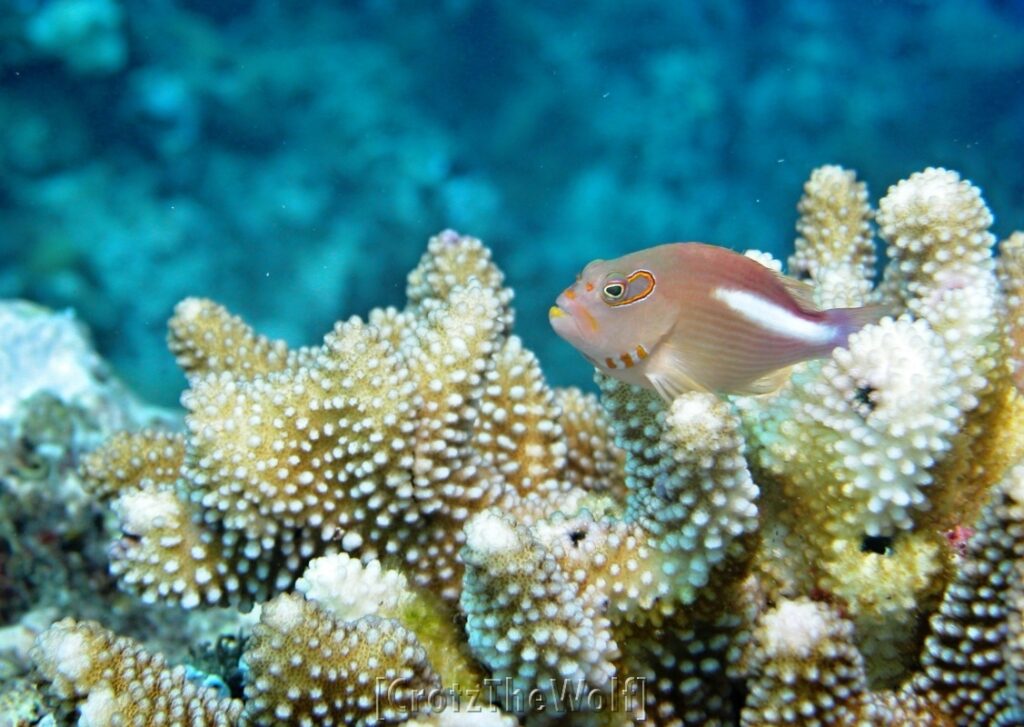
[[690, 316]]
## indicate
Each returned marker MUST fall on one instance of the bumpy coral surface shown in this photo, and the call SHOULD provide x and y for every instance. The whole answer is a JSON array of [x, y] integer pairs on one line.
[[848, 548], [118, 682]]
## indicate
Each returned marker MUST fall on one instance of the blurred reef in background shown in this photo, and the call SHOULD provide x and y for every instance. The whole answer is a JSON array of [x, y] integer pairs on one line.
[[289, 159]]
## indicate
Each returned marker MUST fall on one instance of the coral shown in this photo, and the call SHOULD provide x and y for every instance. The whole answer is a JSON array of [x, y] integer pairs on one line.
[[805, 667], [971, 658], [356, 646], [381, 442], [349, 665], [846, 549], [806, 670], [835, 246], [21, 703], [349, 590], [896, 439], [118, 682], [205, 338], [1011, 277], [526, 617]]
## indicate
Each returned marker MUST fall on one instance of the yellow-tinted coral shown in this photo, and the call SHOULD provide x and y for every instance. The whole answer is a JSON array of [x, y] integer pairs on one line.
[[381, 442], [876, 454], [835, 248], [114, 681], [309, 668], [204, 337], [804, 666], [349, 590], [148, 459], [359, 646], [1011, 277]]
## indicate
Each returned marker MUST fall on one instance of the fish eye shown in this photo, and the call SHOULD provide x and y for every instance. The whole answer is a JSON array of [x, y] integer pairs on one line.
[[614, 289]]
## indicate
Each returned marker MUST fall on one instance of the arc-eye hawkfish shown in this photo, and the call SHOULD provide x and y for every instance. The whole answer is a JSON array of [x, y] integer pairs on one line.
[[694, 317]]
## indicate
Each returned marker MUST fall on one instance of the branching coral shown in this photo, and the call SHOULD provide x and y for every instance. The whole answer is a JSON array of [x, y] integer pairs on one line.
[[894, 441], [380, 442], [835, 247], [118, 682], [618, 562], [806, 669], [358, 647]]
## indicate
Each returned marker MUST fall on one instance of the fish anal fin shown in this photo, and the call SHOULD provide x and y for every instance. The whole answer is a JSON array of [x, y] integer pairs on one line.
[[767, 384]]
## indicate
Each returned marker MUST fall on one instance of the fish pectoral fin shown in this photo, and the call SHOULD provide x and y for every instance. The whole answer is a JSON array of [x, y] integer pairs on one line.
[[767, 384], [667, 374]]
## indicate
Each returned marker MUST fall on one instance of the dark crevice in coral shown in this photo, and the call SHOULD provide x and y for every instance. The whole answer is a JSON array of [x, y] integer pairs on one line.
[[881, 544], [864, 399], [220, 664]]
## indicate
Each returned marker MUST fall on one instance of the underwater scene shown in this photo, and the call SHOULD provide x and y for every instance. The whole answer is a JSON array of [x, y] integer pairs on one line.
[[479, 363]]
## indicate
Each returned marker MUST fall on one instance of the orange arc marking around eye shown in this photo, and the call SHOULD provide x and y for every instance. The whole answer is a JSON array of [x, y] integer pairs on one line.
[[639, 274]]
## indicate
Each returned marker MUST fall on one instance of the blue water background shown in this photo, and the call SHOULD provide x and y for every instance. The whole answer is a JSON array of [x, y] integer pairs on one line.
[[290, 159]]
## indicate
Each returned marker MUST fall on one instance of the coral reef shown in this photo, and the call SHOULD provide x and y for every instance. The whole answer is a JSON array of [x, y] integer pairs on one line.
[[58, 400], [423, 519]]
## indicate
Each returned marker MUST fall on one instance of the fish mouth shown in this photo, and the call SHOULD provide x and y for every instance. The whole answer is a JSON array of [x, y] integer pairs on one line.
[[563, 322]]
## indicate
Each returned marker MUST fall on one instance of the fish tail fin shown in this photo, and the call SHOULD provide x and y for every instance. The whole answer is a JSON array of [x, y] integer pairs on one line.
[[848, 321]]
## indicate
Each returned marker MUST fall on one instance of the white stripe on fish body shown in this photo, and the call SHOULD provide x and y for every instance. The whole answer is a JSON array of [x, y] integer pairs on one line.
[[774, 318]]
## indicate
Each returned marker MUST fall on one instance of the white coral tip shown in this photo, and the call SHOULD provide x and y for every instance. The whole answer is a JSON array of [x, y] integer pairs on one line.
[[794, 628], [490, 534], [65, 652], [283, 614], [142, 511]]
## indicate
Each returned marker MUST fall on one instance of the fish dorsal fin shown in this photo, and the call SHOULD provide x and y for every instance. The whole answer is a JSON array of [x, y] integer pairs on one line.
[[668, 375], [802, 292], [767, 384]]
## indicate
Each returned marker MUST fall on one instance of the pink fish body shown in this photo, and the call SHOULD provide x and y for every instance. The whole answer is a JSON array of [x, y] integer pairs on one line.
[[693, 317]]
